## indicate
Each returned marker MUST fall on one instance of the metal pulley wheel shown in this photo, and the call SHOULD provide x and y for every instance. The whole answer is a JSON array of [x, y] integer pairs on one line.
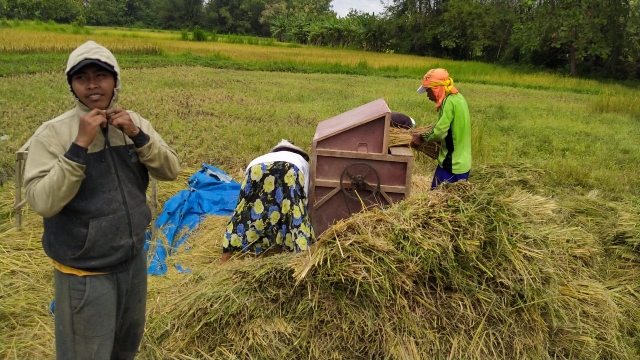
[[354, 183]]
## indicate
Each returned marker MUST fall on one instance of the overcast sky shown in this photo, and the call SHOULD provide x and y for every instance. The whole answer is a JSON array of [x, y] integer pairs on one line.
[[342, 6]]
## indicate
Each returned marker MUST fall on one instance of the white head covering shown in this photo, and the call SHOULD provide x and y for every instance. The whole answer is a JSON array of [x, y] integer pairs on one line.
[[285, 145]]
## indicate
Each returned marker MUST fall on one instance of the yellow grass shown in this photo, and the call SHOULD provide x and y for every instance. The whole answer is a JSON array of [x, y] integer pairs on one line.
[[30, 42], [145, 42], [601, 307], [403, 137]]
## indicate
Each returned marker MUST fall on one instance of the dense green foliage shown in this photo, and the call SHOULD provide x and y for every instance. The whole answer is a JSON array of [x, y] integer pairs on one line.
[[580, 37]]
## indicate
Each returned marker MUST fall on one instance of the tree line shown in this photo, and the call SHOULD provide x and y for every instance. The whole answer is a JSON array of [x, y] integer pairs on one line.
[[579, 37]]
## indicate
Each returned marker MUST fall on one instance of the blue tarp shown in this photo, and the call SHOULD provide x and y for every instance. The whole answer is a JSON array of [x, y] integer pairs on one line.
[[211, 192]]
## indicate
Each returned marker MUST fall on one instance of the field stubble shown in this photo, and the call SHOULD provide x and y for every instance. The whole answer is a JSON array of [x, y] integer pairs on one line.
[[506, 251]]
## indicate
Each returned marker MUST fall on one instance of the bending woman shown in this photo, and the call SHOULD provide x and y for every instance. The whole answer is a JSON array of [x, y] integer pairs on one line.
[[272, 213]]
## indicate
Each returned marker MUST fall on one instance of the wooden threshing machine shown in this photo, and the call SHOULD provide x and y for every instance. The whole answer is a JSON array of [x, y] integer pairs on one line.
[[352, 166]]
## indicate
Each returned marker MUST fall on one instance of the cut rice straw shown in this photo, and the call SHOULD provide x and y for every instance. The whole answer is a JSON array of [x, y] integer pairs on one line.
[[403, 137], [491, 269]]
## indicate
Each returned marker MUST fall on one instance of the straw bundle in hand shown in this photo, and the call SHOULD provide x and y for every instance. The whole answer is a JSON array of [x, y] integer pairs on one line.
[[402, 137]]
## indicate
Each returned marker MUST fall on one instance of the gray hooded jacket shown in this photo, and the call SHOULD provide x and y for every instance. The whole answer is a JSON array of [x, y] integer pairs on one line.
[[94, 200]]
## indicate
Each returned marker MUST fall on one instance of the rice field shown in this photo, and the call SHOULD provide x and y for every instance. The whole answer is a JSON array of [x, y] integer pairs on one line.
[[537, 258], [25, 40], [230, 116]]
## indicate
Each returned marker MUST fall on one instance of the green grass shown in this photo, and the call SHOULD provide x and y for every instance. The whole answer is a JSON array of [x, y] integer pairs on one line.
[[226, 117], [584, 131], [627, 102]]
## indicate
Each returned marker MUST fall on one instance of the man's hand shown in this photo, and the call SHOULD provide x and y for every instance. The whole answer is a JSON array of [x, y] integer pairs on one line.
[[89, 125], [120, 119], [417, 141]]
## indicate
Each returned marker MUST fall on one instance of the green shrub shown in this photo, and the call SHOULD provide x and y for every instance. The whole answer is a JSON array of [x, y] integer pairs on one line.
[[184, 34], [268, 42], [235, 39], [199, 34], [363, 64], [75, 29], [81, 20]]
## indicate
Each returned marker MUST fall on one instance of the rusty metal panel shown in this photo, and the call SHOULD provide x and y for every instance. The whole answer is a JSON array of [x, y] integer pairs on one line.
[[343, 186], [338, 207]]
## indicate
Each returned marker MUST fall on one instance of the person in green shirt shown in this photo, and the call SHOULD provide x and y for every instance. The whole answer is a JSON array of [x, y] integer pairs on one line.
[[452, 130]]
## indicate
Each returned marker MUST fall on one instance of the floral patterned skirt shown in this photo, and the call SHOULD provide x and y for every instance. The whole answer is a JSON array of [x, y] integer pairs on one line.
[[271, 211]]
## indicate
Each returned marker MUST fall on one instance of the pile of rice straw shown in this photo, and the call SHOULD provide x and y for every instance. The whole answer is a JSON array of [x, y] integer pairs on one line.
[[481, 271], [492, 269], [402, 137]]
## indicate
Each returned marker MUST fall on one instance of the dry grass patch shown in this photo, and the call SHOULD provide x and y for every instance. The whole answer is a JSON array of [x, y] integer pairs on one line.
[[31, 42], [485, 271], [491, 269]]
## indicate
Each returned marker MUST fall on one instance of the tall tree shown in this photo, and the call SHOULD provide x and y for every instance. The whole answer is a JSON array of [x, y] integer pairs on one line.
[[307, 8], [233, 16], [140, 12], [372, 34], [179, 14], [412, 26], [63, 11], [473, 29], [106, 12], [581, 30]]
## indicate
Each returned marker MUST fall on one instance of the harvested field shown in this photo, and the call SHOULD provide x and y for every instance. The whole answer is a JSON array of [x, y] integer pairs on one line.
[[491, 269]]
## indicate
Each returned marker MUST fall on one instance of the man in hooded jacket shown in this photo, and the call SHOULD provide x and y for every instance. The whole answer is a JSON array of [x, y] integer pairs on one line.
[[87, 174]]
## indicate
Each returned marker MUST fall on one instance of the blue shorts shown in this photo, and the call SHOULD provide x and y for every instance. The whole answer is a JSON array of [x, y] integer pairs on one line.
[[441, 175]]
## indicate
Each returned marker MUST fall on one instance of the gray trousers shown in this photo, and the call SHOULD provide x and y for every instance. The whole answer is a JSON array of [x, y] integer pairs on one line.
[[101, 316]]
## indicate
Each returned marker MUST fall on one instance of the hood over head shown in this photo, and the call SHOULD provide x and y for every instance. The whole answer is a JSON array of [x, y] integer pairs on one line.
[[93, 53]]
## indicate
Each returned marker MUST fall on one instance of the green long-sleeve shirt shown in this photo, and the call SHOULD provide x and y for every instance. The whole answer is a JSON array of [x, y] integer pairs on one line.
[[453, 131]]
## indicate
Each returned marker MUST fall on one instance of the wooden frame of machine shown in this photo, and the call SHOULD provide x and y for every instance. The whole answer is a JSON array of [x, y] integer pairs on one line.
[[352, 166]]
